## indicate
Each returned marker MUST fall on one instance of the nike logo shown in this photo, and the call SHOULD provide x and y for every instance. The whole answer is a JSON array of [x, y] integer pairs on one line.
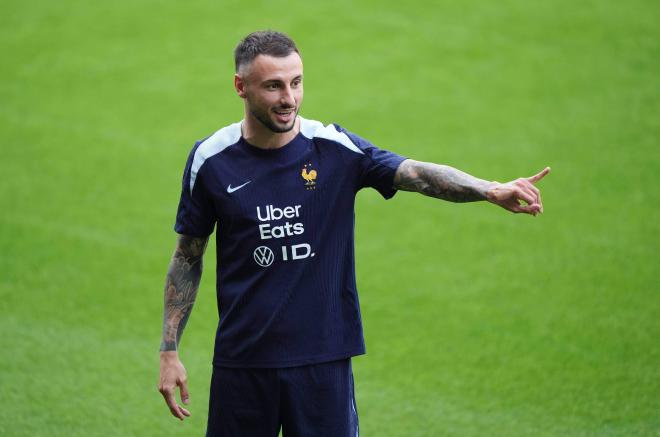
[[231, 190]]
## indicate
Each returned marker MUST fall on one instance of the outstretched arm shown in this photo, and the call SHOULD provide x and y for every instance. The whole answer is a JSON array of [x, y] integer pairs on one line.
[[448, 183], [183, 277]]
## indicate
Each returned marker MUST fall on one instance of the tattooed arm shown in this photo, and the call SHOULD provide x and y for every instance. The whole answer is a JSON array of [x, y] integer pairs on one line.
[[181, 287], [183, 278], [448, 183]]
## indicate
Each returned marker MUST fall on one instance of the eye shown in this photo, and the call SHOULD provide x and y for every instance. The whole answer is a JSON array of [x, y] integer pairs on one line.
[[296, 83], [272, 86]]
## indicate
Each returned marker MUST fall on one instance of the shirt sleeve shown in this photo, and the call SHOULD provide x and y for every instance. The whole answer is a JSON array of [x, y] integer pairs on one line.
[[377, 166], [195, 216]]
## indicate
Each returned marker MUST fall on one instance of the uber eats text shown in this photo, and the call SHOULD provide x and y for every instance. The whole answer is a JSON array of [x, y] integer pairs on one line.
[[267, 231]]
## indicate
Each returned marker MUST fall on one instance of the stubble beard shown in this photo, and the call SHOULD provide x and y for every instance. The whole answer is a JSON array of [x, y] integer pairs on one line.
[[270, 124]]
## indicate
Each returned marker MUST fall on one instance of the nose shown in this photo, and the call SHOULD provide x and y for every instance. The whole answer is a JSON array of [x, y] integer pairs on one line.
[[287, 98]]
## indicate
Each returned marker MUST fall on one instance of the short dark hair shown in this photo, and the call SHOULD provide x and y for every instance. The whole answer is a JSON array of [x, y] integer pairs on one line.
[[263, 42]]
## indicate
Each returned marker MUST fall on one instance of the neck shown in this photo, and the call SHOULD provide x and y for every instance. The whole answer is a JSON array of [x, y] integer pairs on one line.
[[258, 135]]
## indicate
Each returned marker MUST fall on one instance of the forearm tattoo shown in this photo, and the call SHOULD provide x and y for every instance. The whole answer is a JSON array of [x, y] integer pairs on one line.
[[439, 181], [181, 287]]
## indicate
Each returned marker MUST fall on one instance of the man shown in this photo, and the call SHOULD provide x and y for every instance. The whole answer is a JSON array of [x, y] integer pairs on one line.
[[282, 189]]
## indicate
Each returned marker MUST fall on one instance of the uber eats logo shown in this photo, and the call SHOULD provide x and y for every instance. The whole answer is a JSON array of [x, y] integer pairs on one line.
[[273, 228]]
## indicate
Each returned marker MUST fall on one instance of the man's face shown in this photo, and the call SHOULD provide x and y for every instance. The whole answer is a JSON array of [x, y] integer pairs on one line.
[[273, 90]]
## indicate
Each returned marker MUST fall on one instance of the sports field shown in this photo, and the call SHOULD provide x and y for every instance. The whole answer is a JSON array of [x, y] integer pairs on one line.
[[478, 322]]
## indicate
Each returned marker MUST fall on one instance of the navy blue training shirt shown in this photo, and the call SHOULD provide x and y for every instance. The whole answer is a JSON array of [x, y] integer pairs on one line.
[[285, 274]]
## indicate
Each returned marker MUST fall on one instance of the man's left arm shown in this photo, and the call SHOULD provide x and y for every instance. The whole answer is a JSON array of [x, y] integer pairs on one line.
[[448, 183]]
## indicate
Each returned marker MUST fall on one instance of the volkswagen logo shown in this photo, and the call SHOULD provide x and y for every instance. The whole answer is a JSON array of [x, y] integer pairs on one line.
[[263, 256]]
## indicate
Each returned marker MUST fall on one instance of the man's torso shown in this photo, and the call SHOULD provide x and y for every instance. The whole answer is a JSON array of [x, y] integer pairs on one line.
[[286, 277]]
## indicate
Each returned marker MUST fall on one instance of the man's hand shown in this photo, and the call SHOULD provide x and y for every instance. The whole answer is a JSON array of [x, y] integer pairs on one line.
[[510, 194], [173, 374]]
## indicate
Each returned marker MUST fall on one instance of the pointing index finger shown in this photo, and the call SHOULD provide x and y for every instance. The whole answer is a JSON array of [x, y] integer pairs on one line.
[[537, 177]]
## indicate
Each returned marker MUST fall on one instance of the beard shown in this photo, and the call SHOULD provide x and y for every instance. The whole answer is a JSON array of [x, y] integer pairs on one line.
[[265, 119]]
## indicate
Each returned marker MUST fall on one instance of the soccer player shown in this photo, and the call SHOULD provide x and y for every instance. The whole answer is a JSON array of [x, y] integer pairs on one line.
[[281, 189]]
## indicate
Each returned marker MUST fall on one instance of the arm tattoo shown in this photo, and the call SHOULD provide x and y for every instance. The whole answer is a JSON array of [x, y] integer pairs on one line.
[[181, 287], [439, 181]]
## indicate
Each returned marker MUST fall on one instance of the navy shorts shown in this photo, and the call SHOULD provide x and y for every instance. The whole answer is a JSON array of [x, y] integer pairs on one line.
[[306, 401]]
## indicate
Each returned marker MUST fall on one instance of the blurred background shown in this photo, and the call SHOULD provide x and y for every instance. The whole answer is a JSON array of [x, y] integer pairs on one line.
[[478, 322]]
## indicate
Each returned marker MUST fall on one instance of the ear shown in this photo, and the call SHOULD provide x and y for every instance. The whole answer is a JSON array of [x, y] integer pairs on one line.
[[239, 84]]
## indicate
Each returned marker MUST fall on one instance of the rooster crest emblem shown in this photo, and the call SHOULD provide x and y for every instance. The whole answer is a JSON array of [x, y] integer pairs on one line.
[[309, 176]]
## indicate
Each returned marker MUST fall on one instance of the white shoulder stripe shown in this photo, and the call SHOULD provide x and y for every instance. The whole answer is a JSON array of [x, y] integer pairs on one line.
[[315, 129], [213, 145]]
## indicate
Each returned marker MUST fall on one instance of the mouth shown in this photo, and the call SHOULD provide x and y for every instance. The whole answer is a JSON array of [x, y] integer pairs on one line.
[[284, 115]]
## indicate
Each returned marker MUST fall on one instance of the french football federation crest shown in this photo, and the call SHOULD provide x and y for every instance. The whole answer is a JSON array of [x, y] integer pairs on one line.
[[309, 175]]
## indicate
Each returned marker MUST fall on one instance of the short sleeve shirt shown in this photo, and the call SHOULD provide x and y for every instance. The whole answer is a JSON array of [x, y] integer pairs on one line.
[[286, 287]]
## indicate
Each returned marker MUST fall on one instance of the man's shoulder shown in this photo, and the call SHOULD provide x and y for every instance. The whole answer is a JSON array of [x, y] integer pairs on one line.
[[314, 129], [213, 145], [218, 141]]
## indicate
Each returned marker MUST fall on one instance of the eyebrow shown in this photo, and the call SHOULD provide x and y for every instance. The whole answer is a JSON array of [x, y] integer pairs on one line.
[[300, 76]]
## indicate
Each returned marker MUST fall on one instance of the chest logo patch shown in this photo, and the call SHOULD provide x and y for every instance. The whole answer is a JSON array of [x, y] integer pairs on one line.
[[231, 189], [263, 256], [309, 175]]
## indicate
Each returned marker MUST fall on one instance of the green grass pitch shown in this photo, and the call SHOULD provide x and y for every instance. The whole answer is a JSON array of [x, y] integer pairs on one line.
[[478, 322]]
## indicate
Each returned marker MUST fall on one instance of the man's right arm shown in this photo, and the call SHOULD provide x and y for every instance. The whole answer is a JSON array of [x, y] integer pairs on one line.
[[448, 183], [183, 278]]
